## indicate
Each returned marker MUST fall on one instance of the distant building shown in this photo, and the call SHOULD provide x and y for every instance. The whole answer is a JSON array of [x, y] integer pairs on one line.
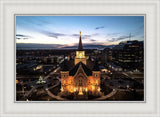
[[114, 67], [129, 55], [103, 69], [80, 80], [99, 56], [108, 54]]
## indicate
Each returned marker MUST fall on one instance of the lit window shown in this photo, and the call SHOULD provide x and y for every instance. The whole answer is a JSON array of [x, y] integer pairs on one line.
[[96, 82]]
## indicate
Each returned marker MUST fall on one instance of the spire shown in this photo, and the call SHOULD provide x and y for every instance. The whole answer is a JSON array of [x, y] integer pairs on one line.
[[80, 47]]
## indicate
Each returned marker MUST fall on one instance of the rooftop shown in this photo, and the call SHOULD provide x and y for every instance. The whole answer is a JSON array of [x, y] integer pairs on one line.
[[85, 68]]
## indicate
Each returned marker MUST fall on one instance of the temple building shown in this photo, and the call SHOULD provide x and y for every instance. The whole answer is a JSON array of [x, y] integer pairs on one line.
[[80, 80]]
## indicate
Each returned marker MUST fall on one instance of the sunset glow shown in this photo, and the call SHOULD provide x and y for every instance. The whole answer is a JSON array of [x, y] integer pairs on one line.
[[64, 30]]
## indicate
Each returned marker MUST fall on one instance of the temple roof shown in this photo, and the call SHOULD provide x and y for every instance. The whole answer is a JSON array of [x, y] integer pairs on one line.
[[80, 47], [64, 66], [85, 68]]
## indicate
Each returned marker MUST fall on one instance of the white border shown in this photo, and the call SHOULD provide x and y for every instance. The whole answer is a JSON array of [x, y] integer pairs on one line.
[[141, 101], [8, 8]]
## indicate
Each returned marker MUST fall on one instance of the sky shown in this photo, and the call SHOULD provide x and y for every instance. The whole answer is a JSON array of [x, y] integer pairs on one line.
[[64, 30]]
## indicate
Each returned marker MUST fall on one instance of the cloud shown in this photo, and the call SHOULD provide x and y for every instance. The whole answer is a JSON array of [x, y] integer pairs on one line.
[[85, 36], [92, 40], [57, 35], [100, 27], [120, 38], [36, 21], [20, 36], [53, 34], [95, 34], [75, 35]]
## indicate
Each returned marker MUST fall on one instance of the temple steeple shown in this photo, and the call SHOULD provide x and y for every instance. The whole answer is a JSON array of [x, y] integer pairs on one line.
[[80, 47], [80, 53]]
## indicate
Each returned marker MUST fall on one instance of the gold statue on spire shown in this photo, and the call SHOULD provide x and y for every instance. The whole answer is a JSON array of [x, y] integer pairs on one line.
[[80, 33]]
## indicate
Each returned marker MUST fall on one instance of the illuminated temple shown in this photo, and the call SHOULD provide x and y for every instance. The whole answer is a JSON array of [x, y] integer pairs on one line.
[[80, 80]]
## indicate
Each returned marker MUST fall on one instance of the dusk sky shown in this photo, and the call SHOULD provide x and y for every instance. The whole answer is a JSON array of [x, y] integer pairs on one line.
[[104, 30]]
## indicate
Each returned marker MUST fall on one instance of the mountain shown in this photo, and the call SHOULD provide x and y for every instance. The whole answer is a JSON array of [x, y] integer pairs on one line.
[[86, 46], [29, 46]]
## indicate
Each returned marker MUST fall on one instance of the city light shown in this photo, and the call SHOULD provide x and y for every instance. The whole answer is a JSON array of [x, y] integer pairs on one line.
[[102, 62]]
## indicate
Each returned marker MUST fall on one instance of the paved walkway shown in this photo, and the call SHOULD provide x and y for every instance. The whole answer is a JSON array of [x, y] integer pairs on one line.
[[125, 74], [51, 73], [137, 90], [54, 96], [107, 96], [51, 94], [29, 92], [54, 85]]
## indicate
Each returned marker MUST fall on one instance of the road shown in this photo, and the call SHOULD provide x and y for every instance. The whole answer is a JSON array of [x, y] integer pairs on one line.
[[45, 78], [52, 73], [29, 92]]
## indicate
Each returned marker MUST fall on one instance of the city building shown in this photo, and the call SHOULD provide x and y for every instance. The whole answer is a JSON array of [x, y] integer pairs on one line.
[[107, 54], [129, 55], [80, 80]]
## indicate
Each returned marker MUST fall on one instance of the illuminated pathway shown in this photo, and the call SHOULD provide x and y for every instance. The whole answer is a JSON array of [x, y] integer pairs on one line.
[[107, 96], [54, 96], [29, 92], [53, 86], [52, 73], [51, 94]]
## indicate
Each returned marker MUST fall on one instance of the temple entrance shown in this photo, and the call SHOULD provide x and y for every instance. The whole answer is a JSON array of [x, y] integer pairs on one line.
[[80, 91]]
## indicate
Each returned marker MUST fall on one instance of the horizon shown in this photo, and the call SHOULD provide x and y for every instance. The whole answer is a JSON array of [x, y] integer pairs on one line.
[[64, 30], [30, 46]]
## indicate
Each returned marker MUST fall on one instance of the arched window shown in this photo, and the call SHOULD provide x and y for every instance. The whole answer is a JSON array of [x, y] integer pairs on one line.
[[80, 82]]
